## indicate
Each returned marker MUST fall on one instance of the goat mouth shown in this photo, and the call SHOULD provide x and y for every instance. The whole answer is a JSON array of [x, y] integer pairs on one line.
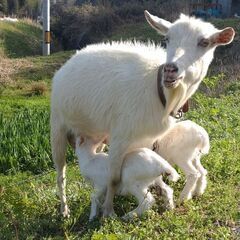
[[171, 83]]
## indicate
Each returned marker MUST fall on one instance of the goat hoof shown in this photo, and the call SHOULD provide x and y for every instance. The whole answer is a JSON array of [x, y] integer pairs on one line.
[[185, 197], [91, 218], [109, 213], [66, 212], [170, 206], [129, 216], [198, 193]]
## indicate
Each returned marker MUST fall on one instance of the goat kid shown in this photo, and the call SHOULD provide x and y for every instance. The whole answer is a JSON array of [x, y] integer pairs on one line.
[[141, 169], [183, 145]]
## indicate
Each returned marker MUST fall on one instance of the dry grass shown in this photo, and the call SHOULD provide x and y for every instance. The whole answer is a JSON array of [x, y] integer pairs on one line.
[[29, 21], [17, 40], [38, 89], [10, 67], [20, 39]]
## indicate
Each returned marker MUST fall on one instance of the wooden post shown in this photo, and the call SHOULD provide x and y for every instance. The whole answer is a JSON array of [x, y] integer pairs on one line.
[[46, 27]]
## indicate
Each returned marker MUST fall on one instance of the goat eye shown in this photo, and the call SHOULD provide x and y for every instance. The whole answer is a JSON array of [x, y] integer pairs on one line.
[[204, 42]]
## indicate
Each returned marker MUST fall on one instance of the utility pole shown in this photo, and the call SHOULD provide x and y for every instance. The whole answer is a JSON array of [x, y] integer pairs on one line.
[[46, 27]]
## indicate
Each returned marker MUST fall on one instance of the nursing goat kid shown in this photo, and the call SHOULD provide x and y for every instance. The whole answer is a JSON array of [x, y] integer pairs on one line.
[[110, 90], [183, 145], [141, 168]]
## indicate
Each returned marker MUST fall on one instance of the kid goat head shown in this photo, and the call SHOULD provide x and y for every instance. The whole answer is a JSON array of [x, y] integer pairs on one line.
[[190, 47]]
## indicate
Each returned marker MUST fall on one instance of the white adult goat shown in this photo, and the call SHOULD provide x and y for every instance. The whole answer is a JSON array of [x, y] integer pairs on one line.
[[111, 90], [141, 168], [183, 145]]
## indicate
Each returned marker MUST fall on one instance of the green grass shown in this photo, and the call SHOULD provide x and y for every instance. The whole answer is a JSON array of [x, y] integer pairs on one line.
[[24, 134], [140, 31], [143, 32], [29, 205], [32, 69], [232, 22], [20, 49], [25, 141], [43, 67], [20, 39], [11, 105]]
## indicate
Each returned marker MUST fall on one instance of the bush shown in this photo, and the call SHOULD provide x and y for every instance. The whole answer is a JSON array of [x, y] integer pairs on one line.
[[130, 11], [38, 89], [76, 27]]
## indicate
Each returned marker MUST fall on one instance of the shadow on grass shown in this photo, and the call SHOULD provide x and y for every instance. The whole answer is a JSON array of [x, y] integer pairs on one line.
[[79, 222], [83, 226], [122, 205]]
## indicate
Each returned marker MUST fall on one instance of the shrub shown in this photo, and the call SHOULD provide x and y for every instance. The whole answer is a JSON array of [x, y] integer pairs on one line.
[[130, 11], [38, 89], [76, 27]]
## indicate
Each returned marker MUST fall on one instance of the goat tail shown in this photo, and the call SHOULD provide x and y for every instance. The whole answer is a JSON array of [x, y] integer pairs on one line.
[[205, 143]]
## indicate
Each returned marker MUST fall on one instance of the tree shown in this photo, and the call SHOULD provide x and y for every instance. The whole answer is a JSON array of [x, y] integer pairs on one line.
[[31, 8], [4, 6], [12, 6], [21, 3], [15, 6]]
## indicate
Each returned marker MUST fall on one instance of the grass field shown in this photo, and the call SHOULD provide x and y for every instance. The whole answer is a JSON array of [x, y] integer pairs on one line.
[[29, 205]]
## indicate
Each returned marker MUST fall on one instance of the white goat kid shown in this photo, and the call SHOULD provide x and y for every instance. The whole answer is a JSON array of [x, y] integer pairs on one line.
[[141, 168], [183, 145], [111, 90]]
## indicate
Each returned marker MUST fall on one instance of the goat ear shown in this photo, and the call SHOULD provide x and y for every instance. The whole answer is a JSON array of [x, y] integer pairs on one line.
[[222, 37], [157, 23]]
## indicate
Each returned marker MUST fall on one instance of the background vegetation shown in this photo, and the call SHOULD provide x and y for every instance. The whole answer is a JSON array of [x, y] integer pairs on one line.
[[29, 205], [76, 25], [20, 8]]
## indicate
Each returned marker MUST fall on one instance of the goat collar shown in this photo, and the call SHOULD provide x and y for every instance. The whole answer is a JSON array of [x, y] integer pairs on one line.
[[162, 97]]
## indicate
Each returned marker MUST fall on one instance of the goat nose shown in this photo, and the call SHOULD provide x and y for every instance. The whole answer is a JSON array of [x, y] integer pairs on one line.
[[170, 68]]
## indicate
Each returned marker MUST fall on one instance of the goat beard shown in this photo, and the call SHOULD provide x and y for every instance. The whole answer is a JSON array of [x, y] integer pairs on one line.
[[174, 99]]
